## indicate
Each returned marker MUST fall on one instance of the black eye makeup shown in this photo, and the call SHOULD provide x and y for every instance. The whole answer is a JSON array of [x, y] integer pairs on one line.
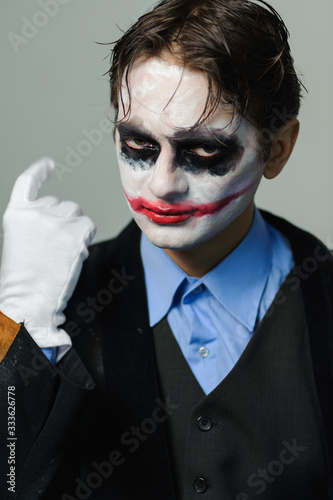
[[137, 145], [196, 153], [214, 155]]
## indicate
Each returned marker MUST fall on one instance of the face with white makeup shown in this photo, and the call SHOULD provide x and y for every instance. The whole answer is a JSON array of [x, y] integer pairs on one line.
[[183, 189]]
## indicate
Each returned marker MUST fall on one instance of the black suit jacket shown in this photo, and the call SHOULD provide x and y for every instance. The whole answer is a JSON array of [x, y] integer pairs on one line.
[[79, 424]]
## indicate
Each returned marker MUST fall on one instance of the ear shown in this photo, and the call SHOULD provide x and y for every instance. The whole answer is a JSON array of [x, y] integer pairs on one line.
[[283, 143]]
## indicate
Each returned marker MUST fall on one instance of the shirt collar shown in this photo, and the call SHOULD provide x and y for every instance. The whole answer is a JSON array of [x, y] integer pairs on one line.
[[238, 282], [163, 277]]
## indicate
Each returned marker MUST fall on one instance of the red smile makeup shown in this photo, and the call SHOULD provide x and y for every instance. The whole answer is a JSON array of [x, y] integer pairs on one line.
[[164, 213]]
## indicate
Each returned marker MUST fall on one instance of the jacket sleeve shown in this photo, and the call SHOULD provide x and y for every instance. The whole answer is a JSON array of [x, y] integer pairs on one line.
[[39, 407]]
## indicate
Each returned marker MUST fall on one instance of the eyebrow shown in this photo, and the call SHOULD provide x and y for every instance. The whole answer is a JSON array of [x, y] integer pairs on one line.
[[209, 136], [132, 131], [182, 137]]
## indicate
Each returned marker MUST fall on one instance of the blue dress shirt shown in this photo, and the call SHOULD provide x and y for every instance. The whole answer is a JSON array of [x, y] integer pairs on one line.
[[214, 317], [51, 354]]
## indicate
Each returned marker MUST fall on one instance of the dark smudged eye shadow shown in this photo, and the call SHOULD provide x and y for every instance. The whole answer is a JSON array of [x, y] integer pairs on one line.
[[137, 164], [229, 151], [147, 155], [219, 164], [221, 170]]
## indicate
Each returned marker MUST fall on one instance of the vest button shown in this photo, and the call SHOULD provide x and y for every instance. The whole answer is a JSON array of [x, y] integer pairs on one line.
[[200, 485], [205, 424]]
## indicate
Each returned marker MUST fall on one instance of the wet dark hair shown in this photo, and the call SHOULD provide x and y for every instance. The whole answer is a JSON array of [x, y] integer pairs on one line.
[[240, 45]]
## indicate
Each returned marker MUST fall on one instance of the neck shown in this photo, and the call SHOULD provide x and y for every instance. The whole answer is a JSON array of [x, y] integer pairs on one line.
[[215, 249]]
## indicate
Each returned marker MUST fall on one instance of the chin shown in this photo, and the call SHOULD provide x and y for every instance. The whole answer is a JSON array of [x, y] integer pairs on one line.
[[180, 237], [179, 244]]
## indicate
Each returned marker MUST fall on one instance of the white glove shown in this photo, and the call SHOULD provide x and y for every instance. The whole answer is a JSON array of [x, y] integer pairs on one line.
[[45, 243]]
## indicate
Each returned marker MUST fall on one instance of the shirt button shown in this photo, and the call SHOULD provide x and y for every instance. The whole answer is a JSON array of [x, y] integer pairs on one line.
[[200, 485], [205, 424], [198, 289], [203, 352]]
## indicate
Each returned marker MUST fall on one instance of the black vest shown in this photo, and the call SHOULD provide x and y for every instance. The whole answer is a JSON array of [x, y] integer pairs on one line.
[[258, 435]]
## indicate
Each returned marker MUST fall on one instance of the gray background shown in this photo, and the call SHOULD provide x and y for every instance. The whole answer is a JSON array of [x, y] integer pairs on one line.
[[52, 91]]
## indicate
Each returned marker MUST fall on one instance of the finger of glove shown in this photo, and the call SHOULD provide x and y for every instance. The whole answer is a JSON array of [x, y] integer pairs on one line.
[[73, 275], [81, 229], [19, 214], [66, 209], [28, 184], [45, 202], [85, 231], [89, 229]]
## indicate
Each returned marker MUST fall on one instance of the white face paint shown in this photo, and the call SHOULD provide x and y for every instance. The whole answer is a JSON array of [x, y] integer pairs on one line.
[[183, 189]]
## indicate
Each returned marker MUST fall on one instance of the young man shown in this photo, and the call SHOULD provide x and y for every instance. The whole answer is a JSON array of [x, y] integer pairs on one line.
[[202, 344]]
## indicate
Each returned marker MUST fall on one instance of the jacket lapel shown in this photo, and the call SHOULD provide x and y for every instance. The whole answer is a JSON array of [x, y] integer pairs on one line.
[[130, 369], [314, 274]]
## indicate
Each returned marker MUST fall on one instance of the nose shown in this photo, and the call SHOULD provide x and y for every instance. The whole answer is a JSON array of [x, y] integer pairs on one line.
[[168, 181]]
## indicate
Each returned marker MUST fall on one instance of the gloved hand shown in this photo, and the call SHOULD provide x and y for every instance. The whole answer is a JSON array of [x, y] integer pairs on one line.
[[45, 243]]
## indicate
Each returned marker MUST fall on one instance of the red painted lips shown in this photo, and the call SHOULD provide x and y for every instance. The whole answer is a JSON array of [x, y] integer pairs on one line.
[[163, 213]]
